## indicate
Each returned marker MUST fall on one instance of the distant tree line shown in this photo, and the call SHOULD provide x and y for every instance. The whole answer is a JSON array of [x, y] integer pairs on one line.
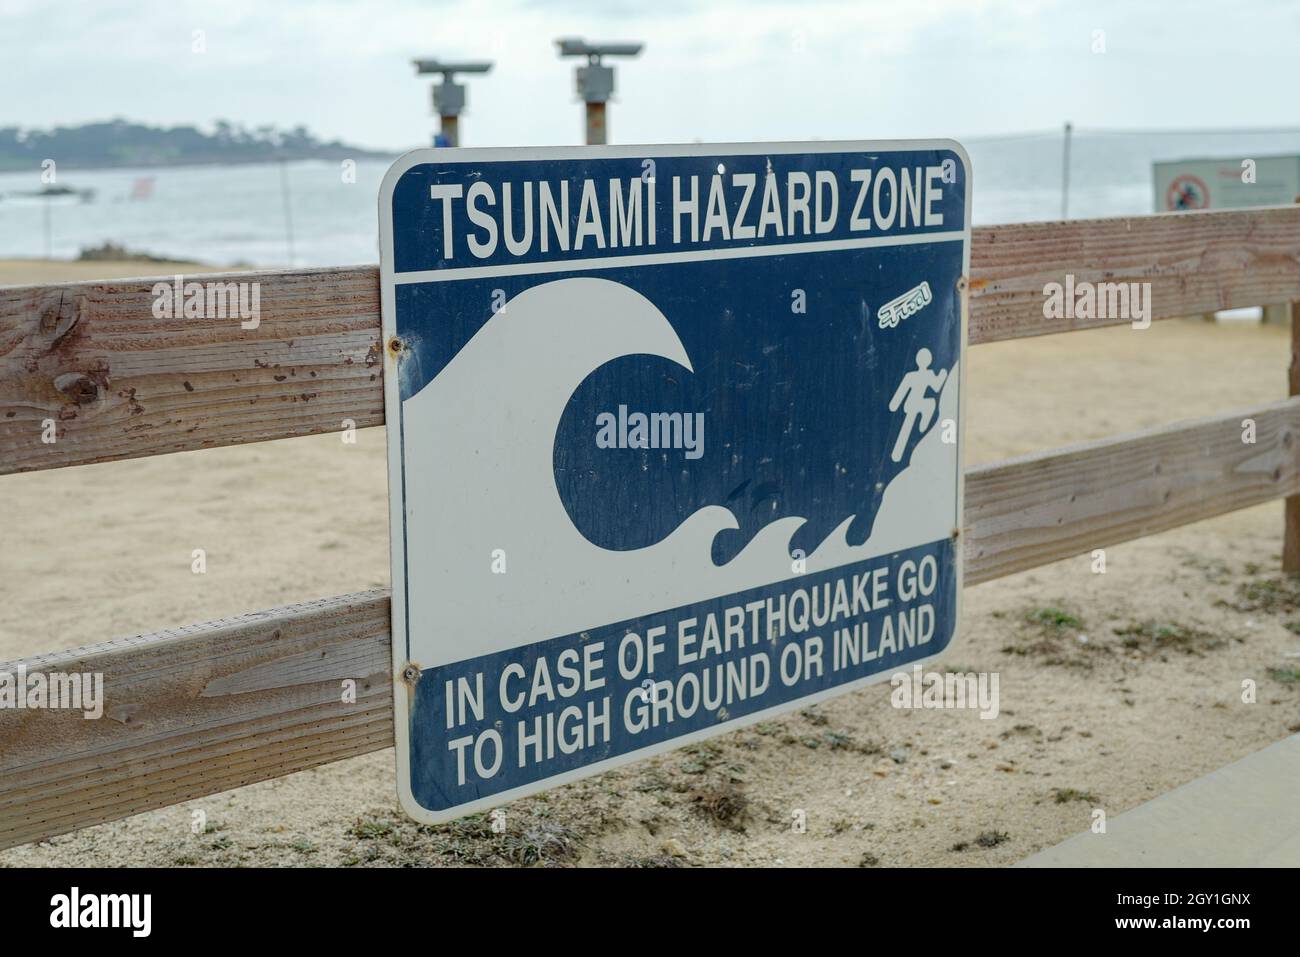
[[122, 143]]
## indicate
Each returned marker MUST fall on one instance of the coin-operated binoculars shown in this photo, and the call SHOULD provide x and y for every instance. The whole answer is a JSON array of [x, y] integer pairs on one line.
[[449, 96], [595, 80]]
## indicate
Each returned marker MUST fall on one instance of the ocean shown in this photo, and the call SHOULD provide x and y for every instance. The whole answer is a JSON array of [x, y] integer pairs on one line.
[[238, 215]]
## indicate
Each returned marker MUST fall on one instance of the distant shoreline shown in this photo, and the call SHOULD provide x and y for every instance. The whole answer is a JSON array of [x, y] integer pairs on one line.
[[122, 144]]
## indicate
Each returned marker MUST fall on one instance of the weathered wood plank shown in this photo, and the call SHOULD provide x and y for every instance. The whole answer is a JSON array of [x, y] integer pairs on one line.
[[1195, 262], [198, 710], [1040, 508], [120, 383], [210, 707]]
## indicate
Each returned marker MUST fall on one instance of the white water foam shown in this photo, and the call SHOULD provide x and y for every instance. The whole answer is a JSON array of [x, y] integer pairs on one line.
[[484, 458]]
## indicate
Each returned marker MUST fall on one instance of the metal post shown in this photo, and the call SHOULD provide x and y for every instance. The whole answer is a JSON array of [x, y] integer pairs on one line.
[[288, 209], [449, 96], [1291, 533], [596, 131], [595, 81], [45, 218], [450, 129], [1065, 174]]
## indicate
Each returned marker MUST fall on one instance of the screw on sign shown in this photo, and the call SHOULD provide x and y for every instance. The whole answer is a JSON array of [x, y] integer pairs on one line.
[[1187, 192]]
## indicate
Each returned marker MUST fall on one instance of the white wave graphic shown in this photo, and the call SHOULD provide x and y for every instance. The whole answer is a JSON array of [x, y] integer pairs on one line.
[[479, 477]]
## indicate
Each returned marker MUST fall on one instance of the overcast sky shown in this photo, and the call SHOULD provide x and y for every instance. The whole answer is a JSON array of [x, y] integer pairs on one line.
[[727, 70]]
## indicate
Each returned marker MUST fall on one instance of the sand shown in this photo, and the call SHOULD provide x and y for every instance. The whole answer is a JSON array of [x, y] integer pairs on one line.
[[22, 272], [1090, 718]]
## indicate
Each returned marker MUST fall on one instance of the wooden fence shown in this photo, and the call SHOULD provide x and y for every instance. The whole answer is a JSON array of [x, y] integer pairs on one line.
[[201, 709]]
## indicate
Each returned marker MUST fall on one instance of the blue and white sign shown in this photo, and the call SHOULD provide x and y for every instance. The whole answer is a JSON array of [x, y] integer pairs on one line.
[[674, 444]]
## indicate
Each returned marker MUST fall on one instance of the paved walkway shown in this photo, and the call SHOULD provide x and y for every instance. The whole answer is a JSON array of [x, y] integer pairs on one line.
[[1244, 815]]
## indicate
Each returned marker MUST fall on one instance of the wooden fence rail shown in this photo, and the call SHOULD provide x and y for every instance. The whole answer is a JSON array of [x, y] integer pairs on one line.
[[121, 383], [201, 709]]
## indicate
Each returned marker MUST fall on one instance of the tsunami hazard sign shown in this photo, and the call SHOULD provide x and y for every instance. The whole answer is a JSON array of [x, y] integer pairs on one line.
[[674, 444]]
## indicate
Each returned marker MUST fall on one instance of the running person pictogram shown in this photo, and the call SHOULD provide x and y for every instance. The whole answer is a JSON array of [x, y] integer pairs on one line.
[[916, 404]]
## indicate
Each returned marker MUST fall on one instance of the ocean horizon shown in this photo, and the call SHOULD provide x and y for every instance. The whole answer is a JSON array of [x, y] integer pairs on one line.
[[235, 215]]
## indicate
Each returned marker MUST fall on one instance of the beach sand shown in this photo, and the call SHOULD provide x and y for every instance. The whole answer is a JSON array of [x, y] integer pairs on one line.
[[1089, 718], [23, 272]]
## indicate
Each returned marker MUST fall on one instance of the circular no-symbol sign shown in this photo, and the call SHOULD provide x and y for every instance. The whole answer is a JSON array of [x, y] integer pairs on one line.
[[1187, 192]]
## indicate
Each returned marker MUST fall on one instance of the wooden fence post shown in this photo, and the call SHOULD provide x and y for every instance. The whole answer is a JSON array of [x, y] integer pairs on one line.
[[1291, 537]]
